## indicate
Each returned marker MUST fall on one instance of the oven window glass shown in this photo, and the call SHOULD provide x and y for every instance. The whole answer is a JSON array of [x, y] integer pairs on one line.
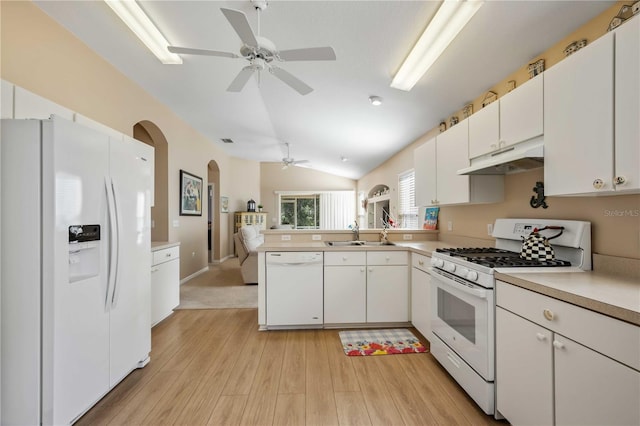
[[458, 314]]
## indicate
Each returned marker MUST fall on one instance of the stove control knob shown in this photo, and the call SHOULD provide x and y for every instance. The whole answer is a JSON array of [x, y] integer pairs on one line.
[[437, 262], [462, 272], [451, 267], [472, 275]]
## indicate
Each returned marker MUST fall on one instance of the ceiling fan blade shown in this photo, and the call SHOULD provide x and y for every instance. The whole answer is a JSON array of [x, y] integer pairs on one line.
[[292, 81], [240, 24], [308, 54], [299, 162], [205, 52], [241, 79]]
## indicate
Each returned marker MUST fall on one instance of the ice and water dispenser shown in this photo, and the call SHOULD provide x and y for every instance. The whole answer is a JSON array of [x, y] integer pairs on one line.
[[84, 252]]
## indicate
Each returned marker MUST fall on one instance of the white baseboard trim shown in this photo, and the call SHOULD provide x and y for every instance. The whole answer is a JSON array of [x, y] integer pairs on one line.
[[195, 274], [224, 259]]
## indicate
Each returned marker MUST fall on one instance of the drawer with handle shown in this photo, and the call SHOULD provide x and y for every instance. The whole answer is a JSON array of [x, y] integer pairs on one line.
[[165, 255]]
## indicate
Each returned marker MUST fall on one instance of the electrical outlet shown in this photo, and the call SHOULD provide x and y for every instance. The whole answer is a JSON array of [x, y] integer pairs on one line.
[[285, 238], [153, 223], [407, 236], [176, 223], [490, 228], [316, 237], [449, 226], [193, 254]]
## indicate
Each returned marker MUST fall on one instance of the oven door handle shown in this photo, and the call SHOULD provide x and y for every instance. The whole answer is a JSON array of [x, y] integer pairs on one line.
[[476, 292]]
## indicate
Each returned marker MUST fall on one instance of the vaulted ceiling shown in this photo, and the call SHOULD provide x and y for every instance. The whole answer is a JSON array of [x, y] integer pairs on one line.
[[370, 38]]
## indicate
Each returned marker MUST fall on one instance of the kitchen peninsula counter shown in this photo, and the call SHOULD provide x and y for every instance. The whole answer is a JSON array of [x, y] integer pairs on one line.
[[420, 247], [614, 296]]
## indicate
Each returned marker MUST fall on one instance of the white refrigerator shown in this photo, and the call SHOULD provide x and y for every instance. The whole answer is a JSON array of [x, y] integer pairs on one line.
[[75, 235]]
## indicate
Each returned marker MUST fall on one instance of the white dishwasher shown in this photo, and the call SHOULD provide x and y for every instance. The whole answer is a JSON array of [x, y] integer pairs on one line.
[[294, 288]]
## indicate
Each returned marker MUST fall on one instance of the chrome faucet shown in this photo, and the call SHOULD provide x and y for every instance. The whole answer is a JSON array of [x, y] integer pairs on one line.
[[356, 231]]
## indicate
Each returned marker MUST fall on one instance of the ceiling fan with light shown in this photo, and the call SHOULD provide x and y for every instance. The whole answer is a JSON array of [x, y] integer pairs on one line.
[[261, 53], [288, 161]]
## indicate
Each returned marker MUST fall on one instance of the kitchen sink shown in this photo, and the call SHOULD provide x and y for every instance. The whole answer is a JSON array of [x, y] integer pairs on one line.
[[357, 243]]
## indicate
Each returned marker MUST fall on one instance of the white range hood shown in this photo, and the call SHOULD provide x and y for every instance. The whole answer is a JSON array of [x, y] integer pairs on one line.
[[513, 159]]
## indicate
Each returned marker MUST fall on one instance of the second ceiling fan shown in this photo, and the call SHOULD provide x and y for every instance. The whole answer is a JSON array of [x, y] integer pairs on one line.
[[261, 53]]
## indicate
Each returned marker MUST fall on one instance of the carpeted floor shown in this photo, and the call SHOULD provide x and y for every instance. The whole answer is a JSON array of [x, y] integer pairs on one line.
[[221, 287]]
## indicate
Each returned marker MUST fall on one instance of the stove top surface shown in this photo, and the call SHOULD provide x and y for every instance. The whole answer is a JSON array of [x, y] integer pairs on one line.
[[492, 257]]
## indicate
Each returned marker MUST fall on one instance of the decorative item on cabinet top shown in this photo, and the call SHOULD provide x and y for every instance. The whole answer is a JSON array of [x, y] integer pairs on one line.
[[511, 84], [490, 97], [575, 46], [626, 12], [536, 68], [453, 121], [442, 126], [467, 110]]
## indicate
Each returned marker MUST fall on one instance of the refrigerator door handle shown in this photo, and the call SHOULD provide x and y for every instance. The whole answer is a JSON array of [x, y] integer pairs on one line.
[[111, 276], [116, 281]]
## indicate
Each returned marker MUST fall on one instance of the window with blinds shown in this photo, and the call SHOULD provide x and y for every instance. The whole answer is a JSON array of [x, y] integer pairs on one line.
[[407, 211]]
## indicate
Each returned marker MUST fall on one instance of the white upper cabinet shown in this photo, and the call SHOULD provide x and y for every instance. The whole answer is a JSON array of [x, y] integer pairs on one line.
[[627, 106], [484, 130], [452, 154], [521, 113], [591, 111], [436, 164], [29, 105], [515, 118], [424, 165]]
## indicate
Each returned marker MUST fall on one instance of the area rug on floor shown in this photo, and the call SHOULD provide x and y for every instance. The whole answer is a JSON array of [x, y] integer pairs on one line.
[[195, 297], [380, 342]]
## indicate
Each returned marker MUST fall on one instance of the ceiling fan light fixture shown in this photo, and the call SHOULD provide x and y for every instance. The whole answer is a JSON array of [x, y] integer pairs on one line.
[[344, 159], [448, 21], [375, 100], [138, 22]]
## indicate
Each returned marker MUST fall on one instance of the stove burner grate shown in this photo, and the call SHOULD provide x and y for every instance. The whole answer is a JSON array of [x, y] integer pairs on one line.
[[497, 258]]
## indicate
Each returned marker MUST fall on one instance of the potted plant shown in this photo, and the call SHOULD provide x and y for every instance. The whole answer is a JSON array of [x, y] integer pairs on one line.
[[259, 207]]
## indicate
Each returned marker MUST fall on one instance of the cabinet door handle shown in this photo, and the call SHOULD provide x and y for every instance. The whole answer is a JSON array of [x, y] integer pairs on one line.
[[361, 269], [168, 255], [344, 258], [598, 184], [620, 180], [154, 270], [548, 314], [421, 262], [558, 345], [370, 269], [541, 337]]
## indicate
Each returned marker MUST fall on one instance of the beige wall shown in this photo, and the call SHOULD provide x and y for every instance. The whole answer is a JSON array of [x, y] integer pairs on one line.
[[44, 58], [274, 178], [612, 235]]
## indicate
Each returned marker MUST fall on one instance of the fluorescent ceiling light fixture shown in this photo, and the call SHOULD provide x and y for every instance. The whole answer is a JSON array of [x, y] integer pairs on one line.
[[375, 100], [138, 22], [448, 21]]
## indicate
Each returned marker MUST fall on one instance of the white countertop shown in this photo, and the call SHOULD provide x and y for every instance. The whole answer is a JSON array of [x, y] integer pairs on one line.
[[617, 297], [161, 245], [420, 247]]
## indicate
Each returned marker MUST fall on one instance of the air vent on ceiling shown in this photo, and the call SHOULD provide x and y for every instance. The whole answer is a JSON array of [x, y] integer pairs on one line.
[[227, 140]]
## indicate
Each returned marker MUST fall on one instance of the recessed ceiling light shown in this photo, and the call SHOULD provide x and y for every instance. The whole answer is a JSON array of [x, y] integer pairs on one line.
[[344, 159], [375, 100]]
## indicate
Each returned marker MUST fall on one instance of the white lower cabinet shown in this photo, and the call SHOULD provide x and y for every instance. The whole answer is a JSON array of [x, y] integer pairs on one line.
[[387, 286], [421, 294], [165, 283], [345, 287], [366, 287], [591, 377]]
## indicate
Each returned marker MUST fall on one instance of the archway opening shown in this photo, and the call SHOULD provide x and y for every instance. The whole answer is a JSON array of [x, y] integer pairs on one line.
[[147, 132], [213, 191]]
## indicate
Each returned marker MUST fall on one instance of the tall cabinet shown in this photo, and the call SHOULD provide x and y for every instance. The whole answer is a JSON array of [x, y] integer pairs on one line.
[[591, 111]]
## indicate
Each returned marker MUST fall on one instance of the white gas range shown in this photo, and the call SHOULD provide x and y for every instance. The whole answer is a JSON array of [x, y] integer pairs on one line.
[[463, 302]]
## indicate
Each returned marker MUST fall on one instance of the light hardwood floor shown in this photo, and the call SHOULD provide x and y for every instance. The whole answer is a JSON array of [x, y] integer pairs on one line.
[[215, 367]]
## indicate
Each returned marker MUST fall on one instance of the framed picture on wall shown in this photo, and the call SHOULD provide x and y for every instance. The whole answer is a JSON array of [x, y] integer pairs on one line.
[[224, 204], [190, 194]]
